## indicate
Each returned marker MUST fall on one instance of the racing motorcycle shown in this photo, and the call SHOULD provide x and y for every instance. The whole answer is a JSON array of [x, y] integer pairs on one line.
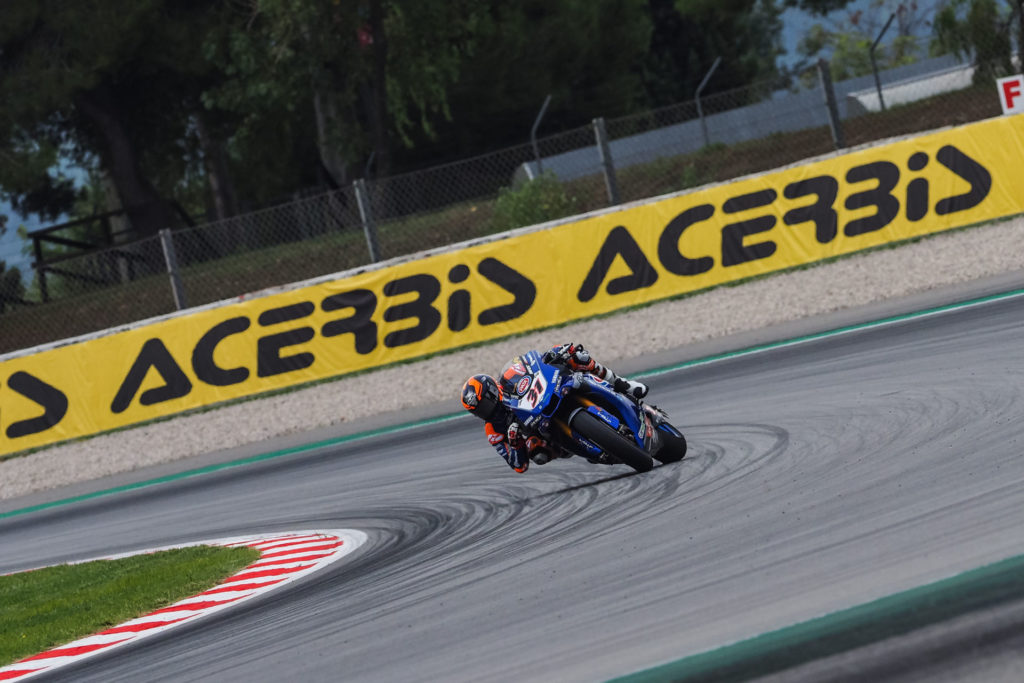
[[587, 417]]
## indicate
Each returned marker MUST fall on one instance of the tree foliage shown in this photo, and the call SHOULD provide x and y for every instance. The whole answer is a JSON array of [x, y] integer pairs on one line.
[[980, 30], [108, 83], [586, 54], [12, 290], [818, 7], [847, 42], [689, 35], [361, 72], [221, 105]]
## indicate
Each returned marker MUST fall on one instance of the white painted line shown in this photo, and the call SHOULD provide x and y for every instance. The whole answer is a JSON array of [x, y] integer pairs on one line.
[[284, 558], [850, 329]]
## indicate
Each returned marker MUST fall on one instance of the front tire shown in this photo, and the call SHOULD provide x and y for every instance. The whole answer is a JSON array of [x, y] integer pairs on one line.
[[673, 447], [611, 442]]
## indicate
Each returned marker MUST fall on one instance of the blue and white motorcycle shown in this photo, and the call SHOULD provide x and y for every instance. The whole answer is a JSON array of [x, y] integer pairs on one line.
[[587, 417]]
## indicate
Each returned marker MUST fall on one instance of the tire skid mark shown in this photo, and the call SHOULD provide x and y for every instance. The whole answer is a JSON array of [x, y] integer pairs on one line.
[[435, 538]]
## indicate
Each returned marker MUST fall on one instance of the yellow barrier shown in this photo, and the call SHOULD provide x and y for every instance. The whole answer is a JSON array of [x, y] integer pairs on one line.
[[599, 264]]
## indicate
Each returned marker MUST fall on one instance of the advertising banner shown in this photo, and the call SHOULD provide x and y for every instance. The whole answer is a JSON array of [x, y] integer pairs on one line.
[[598, 264]]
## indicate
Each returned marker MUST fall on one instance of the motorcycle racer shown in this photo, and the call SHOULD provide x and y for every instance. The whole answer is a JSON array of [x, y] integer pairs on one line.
[[516, 443]]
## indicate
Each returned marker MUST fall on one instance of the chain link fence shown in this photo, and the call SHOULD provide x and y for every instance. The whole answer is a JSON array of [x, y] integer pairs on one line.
[[724, 136]]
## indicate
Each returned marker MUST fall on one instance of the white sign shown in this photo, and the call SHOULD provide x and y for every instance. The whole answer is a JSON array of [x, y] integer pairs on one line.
[[1011, 94]]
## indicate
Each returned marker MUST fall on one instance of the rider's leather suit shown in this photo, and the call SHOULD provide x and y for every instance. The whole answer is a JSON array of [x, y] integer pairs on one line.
[[518, 444]]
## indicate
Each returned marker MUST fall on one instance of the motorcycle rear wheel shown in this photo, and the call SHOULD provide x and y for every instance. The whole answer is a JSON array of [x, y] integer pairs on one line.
[[611, 442]]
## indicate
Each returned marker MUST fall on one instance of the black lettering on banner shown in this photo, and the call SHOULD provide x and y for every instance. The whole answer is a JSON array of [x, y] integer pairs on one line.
[[269, 361], [917, 199], [917, 189], [203, 364], [283, 314], [881, 197], [618, 243], [522, 289], [153, 355], [458, 301], [822, 212], [668, 244], [52, 399], [734, 252], [971, 171], [363, 329], [428, 318]]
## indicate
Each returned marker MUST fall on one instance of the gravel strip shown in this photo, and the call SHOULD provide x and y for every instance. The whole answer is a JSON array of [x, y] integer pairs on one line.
[[938, 261]]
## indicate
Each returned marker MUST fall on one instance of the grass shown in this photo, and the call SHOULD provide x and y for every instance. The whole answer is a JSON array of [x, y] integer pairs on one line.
[[252, 270], [52, 606]]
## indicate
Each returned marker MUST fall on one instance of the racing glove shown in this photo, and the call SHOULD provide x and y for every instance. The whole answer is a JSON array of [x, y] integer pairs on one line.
[[516, 439], [574, 356], [579, 359]]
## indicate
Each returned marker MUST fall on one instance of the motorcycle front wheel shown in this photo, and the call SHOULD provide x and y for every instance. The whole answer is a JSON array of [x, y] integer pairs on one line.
[[673, 446], [611, 442]]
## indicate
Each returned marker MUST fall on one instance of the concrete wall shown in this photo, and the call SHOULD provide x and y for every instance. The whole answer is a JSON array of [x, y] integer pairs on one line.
[[784, 111]]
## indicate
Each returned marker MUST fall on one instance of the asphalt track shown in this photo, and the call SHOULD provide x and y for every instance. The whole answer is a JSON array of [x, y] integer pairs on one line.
[[822, 475]]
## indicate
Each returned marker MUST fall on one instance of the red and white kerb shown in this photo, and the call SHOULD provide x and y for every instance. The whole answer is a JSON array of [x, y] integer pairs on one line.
[[284, 558]]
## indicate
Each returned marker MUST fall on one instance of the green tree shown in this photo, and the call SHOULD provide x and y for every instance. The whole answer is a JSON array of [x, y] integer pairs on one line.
[[12, 290], [99, 83], [11, 287], [690, 34], [363, 72], [980, 30], [586, 54], [847, 42], [817, 7]]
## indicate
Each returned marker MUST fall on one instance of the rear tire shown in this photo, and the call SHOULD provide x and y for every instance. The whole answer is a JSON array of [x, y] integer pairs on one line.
[[611, 442]]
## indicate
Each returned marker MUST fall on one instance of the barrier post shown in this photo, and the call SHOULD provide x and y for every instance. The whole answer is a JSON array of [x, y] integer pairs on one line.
[[607, 166], [700, 110], [874, 64], [37, 249], [366, 216], [533, 137], [171, 259], [830, 104]]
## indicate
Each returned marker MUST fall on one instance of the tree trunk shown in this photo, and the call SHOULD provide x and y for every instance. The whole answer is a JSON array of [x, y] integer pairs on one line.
[[1020, 35], [118, 227], [222, 188], [147, 211], [326, 112], [378, 102]]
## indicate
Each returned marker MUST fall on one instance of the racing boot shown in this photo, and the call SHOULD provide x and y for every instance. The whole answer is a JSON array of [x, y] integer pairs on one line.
[[541, 453], [628, 387], [635, 390], [579, 360]]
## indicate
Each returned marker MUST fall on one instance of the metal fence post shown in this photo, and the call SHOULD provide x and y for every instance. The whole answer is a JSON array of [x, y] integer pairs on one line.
[[874, 66], [700, 110], [830, 104], [607, 166], [37, 249], [533, 136], [366, 216], [171, 259]]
